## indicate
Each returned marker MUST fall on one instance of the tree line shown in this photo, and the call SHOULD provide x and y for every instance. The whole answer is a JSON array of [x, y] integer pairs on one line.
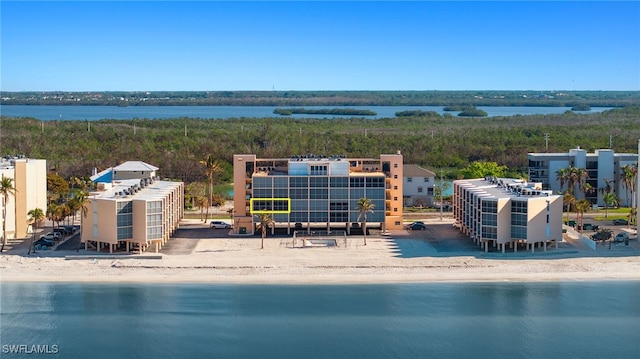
[[176, 146], [324, 98]]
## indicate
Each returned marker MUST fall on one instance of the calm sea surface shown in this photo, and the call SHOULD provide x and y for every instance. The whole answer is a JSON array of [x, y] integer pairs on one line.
[[224, 112], [479, 320]]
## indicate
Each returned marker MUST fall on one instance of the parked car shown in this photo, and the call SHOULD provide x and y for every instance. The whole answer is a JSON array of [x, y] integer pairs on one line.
[[42, 242], [415, 226], [620, 221], [61, 230], [622, 237], [220, 225], [49, 237]]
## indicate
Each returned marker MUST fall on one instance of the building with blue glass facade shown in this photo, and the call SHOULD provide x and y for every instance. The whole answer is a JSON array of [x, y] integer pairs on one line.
[[310, 191]]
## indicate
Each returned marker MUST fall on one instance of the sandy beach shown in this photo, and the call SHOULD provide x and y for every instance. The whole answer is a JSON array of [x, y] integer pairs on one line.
[[438, 254]]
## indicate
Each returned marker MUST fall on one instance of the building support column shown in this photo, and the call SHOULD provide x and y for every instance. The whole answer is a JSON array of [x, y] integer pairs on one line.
[[157, 246], [545, 246], [110, 248], [503, 245]]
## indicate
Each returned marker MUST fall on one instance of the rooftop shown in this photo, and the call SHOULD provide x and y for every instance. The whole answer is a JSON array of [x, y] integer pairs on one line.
[[416, 171], [131, 166], [134, 189], [505, 188]]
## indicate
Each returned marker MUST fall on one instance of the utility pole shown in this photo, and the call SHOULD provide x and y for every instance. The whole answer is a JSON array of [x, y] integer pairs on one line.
[[441, 201], [546, 142], [185, 130], [610, 141]]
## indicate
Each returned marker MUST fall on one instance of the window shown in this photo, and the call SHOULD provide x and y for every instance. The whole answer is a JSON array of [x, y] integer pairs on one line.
[[395, 165], [409, 179], [419, 189], [395, 176], [426, 179], [318, 170]]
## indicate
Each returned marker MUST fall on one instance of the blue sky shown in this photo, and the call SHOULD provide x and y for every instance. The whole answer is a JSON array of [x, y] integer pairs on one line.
[[362, 45]]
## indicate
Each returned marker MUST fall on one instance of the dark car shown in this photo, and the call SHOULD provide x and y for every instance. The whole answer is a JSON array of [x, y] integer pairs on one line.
[[620, 221], [42, 242], [416, 226]]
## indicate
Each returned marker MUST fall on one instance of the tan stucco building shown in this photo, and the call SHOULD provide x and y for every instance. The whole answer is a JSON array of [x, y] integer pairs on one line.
[[501, 212], [132, 213], [310, 191], [30, 182]]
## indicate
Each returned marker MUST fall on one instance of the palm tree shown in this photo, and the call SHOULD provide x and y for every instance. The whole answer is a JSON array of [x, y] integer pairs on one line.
[[562, 176], [582, 206], [577, 176], [569, 200], [603, 234], [231, 211], [200, 202], [81, 200], [364, 206], [6, 189], [633, 216], [36, 216], [610, 200], [212, 166], [265, 222], [628, 175]]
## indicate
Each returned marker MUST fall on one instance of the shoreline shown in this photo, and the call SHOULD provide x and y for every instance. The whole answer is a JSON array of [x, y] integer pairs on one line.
[[203, 256]]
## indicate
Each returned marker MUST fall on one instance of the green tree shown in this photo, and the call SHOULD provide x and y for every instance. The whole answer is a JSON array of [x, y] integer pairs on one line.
[[479, 169], [628, 178], [610, 200], [57, 187], [569, 201], [603, 234], [364, 206], [80, 202], [6, 189], [439, 187], [211, 167], [582, 206], [633, 217], [562, 176], [264, 222], [36, 216]]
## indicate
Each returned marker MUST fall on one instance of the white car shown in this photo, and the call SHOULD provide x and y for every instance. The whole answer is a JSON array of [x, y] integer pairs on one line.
[[220, 225]]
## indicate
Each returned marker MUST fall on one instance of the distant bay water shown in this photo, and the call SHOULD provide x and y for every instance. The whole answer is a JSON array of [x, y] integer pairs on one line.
[[438, 320], [226, 112]]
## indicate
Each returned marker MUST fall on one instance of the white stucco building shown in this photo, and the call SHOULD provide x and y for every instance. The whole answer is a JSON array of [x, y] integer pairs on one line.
[[603, 166], [417, 186]]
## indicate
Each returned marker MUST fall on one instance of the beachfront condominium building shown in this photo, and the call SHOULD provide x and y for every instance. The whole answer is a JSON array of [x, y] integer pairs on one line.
[[501, 212], [29, 179], [311, 191], [417, 186], [132, 209], [603, 166]]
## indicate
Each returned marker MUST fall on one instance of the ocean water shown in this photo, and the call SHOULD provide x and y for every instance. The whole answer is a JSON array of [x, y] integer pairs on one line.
[[224, 112], [441, 320]]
